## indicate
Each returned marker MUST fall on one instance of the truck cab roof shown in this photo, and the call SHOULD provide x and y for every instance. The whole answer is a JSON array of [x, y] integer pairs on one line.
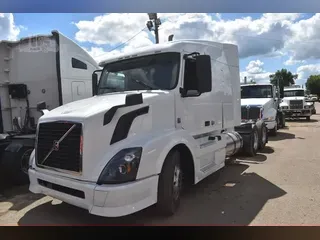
[[187, 46]]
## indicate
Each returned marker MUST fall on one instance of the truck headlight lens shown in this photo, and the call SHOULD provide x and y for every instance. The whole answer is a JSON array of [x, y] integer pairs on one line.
[[123, 167]]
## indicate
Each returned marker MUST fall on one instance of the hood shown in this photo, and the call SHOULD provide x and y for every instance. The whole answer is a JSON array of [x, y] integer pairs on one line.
[[255, 101], [294, 98], [95, 105]]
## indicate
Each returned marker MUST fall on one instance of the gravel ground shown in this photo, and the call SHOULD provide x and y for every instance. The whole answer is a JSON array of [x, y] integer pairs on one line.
[[279, 186]]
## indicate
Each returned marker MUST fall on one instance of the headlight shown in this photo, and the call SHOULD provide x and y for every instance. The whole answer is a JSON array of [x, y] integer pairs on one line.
[[123, 167]]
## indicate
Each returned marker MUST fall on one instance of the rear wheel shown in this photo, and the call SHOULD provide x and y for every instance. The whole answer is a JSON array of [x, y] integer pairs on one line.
[[251, 142], [263, 136], [170, 185]]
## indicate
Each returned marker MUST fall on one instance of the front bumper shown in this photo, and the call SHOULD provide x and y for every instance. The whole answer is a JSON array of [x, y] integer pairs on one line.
[[105, 200], [297, 113]]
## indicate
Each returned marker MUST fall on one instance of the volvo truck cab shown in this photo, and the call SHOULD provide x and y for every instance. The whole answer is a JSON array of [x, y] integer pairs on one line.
[[163, 117]]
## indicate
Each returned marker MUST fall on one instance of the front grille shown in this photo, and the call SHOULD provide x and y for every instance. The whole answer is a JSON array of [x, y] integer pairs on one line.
[[296, 104], [67, 156], [251, 113]]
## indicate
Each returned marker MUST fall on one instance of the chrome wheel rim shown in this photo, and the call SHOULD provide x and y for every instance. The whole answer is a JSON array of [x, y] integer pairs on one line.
[[177, 180]]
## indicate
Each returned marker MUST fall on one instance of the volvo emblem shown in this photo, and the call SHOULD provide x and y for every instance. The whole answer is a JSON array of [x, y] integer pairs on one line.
[[55, 145]]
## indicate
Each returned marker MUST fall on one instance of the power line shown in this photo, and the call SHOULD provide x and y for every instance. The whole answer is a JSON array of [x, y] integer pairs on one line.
[[124, 43]]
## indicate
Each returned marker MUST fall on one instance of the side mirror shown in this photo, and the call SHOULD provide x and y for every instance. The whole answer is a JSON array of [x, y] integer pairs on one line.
[[95, 82], [41, 106], [204, 75]]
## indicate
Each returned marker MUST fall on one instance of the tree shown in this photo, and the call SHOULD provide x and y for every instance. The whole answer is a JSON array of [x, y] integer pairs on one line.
[[313, 84], [285, 78]]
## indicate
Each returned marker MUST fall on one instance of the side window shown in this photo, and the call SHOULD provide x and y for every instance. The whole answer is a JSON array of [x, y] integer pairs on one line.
[[190, 75], [78, 64]]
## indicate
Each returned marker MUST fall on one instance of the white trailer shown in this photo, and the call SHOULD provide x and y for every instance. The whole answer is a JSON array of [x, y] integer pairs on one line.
[[163, 116], [50, 68]]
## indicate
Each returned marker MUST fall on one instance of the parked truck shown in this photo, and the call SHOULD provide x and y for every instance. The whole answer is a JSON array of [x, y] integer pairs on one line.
[[163, 117], [294, 103], [261, 101], [50, 68]]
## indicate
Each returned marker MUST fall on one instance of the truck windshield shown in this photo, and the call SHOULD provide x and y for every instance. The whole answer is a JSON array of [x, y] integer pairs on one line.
[[257, 91], [294, 93], [152, 72]]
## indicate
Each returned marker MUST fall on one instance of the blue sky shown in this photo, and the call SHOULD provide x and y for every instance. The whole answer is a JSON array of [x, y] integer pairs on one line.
[[266, 41]]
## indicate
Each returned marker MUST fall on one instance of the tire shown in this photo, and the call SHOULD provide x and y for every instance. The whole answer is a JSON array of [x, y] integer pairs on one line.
[[15, 165], [282, 121], [263, 139], [308, 118], [251, 142], [273, 132], [170, 185]]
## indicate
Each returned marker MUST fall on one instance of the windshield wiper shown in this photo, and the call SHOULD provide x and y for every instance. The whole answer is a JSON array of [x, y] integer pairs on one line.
[[114, 89], [142, 83], [111, 88]]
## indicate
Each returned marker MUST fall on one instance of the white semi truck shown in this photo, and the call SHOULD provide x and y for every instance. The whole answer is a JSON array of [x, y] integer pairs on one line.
[[163, 117], [295, 104], [49, 68], [262, 101]]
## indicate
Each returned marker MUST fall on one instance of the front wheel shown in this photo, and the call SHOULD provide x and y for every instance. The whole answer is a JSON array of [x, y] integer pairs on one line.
[[273, 132], [15, 165], [308, 118], [170, 185]]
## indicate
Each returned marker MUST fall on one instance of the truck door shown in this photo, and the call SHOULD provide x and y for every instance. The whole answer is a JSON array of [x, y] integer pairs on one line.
[[78, 90], [198, 116]]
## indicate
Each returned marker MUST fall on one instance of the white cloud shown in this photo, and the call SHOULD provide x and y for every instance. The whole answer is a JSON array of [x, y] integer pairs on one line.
[[8, 29], [255, 71], [254, 37], [271, 35], [99, 53], [305, 41], [113, 28], [291, 61], [255, 67], [306, 70]]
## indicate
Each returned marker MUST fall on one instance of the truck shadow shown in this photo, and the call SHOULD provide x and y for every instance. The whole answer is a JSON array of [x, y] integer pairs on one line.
[[301, 120], [282, 136], [259, 158], [229, 196], [16, 197]]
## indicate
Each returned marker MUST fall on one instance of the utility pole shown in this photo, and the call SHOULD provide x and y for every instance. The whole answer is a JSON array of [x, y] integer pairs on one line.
[[155, 22]]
